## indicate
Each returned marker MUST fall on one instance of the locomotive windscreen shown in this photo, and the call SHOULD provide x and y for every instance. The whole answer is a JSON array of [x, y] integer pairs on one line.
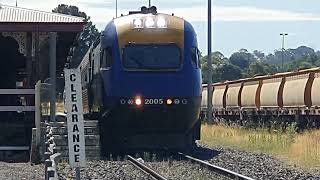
[[151, 57]]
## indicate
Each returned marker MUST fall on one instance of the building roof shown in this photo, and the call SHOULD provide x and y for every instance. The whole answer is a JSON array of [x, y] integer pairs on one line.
[[11, 14], [17, 19]]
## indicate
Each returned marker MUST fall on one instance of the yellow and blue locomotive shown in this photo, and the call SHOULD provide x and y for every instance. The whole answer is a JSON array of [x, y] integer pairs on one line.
[[142, 79]]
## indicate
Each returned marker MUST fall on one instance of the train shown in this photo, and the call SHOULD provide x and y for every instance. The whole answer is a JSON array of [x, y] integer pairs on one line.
[[289, 97], [142, 80]]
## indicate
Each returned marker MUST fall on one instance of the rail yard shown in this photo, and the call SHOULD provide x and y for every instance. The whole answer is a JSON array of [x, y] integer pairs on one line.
[[135, 105]]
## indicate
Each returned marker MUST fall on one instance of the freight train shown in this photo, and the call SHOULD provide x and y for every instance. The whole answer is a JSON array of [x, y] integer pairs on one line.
[[287, 97], [142, 79]]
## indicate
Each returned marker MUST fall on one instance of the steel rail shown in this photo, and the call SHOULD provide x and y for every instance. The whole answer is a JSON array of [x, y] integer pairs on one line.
[[145, 168], [217, 169]]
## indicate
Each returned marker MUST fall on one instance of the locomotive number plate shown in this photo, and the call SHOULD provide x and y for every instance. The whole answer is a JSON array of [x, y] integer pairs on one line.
[[153, 101]]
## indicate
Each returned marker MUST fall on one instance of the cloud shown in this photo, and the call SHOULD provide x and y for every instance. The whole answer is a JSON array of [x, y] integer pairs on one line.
[[240, 13], [129, 4], [225, 13], [97, 4], [102, 11]]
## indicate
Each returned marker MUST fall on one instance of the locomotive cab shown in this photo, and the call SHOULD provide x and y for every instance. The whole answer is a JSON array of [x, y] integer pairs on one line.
[[146, 82]]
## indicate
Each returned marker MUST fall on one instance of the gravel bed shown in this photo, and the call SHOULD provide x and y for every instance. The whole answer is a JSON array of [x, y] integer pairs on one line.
[[13, 171], [103, 170], [257, 165], [254, 165], [183, 170]]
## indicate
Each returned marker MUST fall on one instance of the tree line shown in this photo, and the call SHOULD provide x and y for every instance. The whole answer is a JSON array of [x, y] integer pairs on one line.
[[243, 64]]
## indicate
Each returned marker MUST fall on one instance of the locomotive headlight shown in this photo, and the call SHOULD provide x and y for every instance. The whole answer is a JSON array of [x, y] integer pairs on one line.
[[150, 22], [161, 23], [137, 23], [169, 101], [138, 101]]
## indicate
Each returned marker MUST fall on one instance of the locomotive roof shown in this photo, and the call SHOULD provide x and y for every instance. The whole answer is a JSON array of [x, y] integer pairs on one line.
[[172, 33], [172, 21]]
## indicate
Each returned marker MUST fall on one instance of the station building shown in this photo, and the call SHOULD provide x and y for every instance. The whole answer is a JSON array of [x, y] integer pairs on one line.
[[34, 47]]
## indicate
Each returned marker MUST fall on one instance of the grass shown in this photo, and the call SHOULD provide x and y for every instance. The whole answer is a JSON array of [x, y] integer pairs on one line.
[[302, 149]]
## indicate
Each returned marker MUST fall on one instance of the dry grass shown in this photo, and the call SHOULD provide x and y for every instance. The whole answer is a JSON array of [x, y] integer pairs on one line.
[[301, 149], [60, 107], [45, 108], [306, 149]]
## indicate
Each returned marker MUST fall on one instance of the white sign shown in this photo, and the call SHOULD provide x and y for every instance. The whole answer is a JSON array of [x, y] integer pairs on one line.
[[74, 107]]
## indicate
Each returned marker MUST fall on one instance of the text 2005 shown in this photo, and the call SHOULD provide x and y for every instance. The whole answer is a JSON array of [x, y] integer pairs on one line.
[[153, 101]]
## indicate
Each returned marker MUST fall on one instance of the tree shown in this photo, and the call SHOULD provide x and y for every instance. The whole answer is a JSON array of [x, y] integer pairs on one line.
[[312, 58], [305, 65], [218, 59], [218, 56], [87, 36], [205, 72], [229, 72], [260, 68], [242, 59], [303, 51], [70, 10], [259, 55], [290, 55]]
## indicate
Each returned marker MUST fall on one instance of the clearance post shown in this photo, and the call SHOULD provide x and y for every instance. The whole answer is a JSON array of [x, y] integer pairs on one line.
[[74, 108]]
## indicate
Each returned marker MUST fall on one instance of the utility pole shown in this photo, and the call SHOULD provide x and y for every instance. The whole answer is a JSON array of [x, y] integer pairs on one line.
[[209, 63], [149, 3], [283, 36], [116, 8]]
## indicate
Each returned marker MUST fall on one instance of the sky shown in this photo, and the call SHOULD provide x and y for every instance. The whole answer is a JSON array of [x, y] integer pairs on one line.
[[237, 24]]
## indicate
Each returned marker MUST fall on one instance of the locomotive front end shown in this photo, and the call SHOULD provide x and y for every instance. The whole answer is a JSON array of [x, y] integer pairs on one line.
[[152, 86]]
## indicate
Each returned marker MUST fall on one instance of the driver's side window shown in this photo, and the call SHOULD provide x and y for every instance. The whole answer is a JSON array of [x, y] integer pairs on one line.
[[106, 58]]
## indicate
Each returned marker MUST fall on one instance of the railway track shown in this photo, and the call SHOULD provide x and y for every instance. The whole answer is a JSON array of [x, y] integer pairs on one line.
[[145, 168], [216, 169]]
